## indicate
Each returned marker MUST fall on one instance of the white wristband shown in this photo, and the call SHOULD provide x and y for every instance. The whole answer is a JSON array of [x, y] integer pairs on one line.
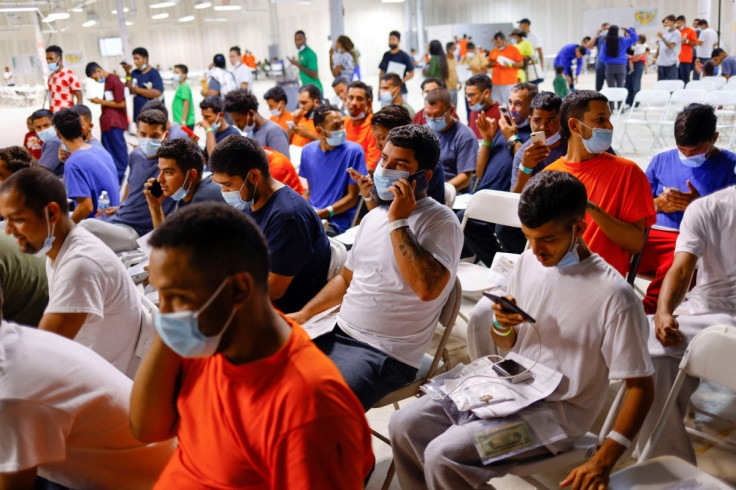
[[618, 437], [369, 198], [395, 225]]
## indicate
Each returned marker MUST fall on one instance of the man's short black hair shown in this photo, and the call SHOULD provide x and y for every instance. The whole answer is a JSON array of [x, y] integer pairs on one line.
[[321, 112], [16, 158], [340, 81], [499, 35], [68, 124], [220, 240], [364, 86], [552, 196], [546, 101], [421, 140], [40, 114], [670, 17], [182, 68], [276, 94], [54, 49], [237, 155], [393, 78], [186, 154], [391, 117], [219, 61], [480, 80], [300, 32], [153, 117], [582, 49], [575, 105], [91, 68], [440, 83], [241, 101], [681, 17], [396, 34], [82, 111], [449, 45], [312, 90], [140, 52], [439, 94], [703, 22], [39, 187], [470, 45], [156, 104], [717, 52], [531, 89], [695, 124], [213, 102], [236, 49]]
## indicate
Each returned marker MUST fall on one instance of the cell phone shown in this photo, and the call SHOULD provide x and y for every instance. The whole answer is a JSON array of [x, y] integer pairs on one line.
[[421, 179], [507, 305], [505, 112], [539, 138], [667, 190], [512, 370], [156, 190], [290, 124]]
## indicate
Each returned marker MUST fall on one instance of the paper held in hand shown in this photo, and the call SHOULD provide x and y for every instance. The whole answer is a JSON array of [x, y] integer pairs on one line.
[[504, 61], [398, 68]]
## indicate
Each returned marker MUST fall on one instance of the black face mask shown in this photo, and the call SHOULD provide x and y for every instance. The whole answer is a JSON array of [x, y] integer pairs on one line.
[[393, 46]]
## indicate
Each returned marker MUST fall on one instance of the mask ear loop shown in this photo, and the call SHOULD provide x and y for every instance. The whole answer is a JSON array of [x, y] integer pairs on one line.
[[49, 228], [214, 295]]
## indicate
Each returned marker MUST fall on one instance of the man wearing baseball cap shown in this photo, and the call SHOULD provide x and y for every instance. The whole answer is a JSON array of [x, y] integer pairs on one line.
[[532, 38]]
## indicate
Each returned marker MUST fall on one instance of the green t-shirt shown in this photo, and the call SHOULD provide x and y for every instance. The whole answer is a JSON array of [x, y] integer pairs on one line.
[[434, 69], [184, 92], [308, 59], [24, 284], [560, 86]]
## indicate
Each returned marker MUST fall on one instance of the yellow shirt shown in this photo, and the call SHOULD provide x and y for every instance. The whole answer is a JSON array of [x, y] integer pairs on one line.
[[451, 80], [527, 50]]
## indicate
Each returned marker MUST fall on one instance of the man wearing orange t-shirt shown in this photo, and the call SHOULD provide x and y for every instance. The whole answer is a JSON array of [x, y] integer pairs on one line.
[[358, 122], [282, 170], [257, 405], [689, 40], [620, 203], [505, 60], [303, 130], [277, 100]]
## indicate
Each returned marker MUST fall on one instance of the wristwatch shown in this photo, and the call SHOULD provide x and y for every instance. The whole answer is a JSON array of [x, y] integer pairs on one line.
[[512, 142]]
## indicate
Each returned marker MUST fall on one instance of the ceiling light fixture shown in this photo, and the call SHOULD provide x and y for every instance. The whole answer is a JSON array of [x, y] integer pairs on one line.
[[160, 16], [228, 7], [215, 19], [202, 5], [161, 5], [186, 18], [18, 9]]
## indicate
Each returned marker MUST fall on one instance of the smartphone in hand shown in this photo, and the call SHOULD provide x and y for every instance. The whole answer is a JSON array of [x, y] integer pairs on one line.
[[156, 190], [421, 179], [512, 370], [507, 305], [539, 138]]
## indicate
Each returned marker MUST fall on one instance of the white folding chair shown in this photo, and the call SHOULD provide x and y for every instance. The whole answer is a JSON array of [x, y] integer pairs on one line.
[[669, 85], [338, 257], [708, 356], [145, 335], [450, 194], [678, 101], [731, 80], [729, 87], [618, 96], [718, 81], [724, 102], [648, 110], [698, 85]]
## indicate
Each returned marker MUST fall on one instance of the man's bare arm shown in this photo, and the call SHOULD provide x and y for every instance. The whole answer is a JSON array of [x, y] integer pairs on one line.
[[628, 236], [65, 324], [425, 275], [330, 295]]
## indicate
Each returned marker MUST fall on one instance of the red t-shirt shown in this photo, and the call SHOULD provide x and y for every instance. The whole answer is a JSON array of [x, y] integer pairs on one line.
[[282, 170], [285, 422], [686, 52], [33, 144], [114, 92], [62, 85], [620, 188], [363, 135], [492, 113]]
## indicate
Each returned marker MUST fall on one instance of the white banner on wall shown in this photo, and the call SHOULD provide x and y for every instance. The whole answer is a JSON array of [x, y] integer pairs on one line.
[[25, 64]]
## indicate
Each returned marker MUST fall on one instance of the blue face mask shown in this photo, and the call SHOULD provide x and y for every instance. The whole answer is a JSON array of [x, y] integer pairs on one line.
[[64, 147], [47, 134], [599, 142], [385, 98], [143, 67], [571, 257], [215, 125], [604, 33], [181, 193], [478, 107], [53, 66], [150, 146], [694, 161], [50, 238], [384, 178], [337, 138], [234, 199], [176, 77], [437, 124], [102, 80], [180, 330]]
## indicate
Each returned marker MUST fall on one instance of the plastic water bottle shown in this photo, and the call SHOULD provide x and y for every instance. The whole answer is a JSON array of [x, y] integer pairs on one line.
[[104, 201]]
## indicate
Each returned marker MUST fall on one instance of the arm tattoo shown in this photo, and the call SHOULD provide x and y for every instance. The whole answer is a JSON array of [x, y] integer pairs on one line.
[[430, 269]]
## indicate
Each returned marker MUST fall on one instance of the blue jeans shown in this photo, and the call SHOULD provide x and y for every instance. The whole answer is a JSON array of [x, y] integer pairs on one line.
[[684, 71], [114, 142], [667, 72]]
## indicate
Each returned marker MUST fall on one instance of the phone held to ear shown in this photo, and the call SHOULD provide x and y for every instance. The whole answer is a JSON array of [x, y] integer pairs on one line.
[[507, 305], [156, 190], [421, 179]]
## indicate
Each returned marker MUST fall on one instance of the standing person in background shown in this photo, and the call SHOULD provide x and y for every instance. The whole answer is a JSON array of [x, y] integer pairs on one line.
[[518, 39], [31, 141], [340, 87], [451, 82], [568, 54], [505, 61], [560, 82], [144, 82], [243, 75], [182, 108], [463, 46], [307, 62], [475, 60], [63, 85], [670, 43], [707, 41], [600, 67], [219, 81], [276, 100], [8, 77], [342, 58], [437, 66], [356, 71], [114, 117], [534, 39], [397, 56], [637, 63], [689, 40], [613, 54]]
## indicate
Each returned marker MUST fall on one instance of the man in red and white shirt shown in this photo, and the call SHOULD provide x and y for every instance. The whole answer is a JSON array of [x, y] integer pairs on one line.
[[63, 83]]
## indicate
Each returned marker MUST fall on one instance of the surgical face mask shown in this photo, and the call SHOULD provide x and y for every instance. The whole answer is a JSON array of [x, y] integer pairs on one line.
[[681, 28], [471, 53], [571, 257], [216, 125], [513, 40], [604, 33], [386, 98], [49, 241], [698, 29], [150, 146], [181, 193], [47, 134], [180, 330], [554, 139], [336, 138], [437, 124], [249, 128], [234, 199], [276, 112], [301, 48], [176, 78], [694, 161], [599, 142], [358, 117], [64, 147], [384, 178], [143, 67], [479, 106], [54, 66], [102, 80]]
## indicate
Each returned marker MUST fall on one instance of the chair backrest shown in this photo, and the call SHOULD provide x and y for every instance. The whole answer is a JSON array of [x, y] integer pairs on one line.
[[699, 85], [649, 102], [448, 318], [499, 207], [450, 194], [669, 85], [731, 81], [722, 98], [718, 81], [615, 94], [338, 256], [730, 87], [710, 355], [685, 97]]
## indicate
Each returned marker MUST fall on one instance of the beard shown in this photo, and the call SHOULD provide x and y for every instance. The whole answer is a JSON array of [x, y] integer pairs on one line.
[[382, 203]]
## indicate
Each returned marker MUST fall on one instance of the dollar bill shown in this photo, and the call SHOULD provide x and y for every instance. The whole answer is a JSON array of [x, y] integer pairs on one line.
[[501, 440]]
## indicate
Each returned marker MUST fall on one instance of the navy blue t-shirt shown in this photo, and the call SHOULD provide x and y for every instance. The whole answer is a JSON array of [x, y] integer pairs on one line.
[[297, 244], [497, 175], [50, 157], [206, 191], [149, 80], [229, 131], [134, 210], [400, 57], [436, 189], [88, 173], [554, 155]]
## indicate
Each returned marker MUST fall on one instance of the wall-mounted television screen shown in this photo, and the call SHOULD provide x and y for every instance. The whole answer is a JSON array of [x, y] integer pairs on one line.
[[111, 46]]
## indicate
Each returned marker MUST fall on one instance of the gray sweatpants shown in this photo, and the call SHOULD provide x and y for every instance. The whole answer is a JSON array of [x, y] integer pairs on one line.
[[120, 238]]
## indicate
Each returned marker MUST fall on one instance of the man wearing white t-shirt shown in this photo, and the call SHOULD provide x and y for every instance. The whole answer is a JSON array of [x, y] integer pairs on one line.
[[64, 417], [592, 328], [707, 240], [533, 38], [707, 42], [92, 299], [398, 276], [242, 73]]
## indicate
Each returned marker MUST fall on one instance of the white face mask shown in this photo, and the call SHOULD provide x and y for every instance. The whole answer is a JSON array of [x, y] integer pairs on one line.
[[50, 238]]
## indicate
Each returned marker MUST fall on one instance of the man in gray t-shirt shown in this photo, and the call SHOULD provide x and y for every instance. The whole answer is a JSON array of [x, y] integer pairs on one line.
[[726, 63], [670, 44], [242, 107]]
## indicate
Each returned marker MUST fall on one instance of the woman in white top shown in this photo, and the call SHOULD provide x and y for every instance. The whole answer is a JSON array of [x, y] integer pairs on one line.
[[343, 60]]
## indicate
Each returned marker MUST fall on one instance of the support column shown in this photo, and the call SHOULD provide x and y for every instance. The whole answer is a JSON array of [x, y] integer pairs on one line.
[[410, 32], [337, 28], [421, 42], [123, 30], [40, 48], [273, 45]]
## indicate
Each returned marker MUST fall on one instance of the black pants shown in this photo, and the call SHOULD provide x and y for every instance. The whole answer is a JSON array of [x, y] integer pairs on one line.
[[684, 71], [633, 81], [600, 75]]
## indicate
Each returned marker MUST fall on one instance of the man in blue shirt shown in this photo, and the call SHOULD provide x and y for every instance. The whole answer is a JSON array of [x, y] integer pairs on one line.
[[458, 146], [332, 192], [678, 177], [299, 250], [121, 227], [41, 120], [396, 55], [726, 63], [180, 166], [144, 82], [566, 56], [89, 172], [174, 130], [242, 107], [597, 42], [213, 121]]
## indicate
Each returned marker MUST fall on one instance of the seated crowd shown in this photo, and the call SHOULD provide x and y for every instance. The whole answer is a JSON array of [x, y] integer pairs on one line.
[[231, 391]]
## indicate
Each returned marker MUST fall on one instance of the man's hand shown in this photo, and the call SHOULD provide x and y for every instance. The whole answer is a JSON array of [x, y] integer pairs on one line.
[[204, 124], [507, 125], [127, 67], [95, 100], [298, 114], [365, 183], [534, 155], [659, 34], [681, 200], [295, 62], [299, 317], [487, 127], [302, 131], [507, 319], [153, 202], [63, 155], [404, 202], [589, 475], [107, 212], [667, 329]]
